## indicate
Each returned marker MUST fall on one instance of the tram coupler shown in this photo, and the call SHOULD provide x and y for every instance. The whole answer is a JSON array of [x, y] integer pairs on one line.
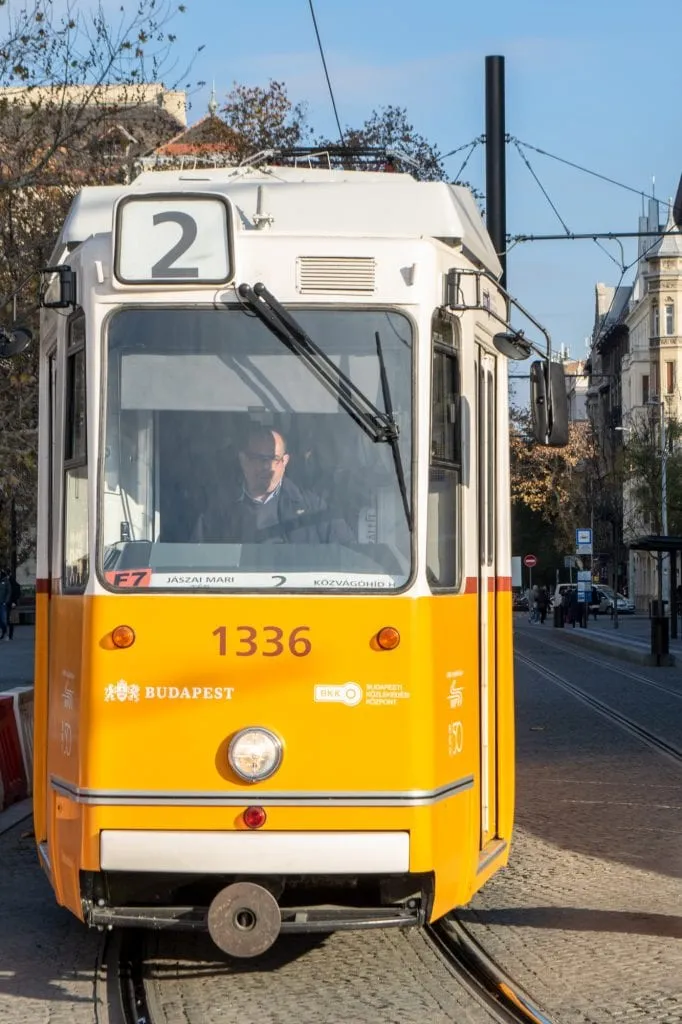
[[244, 919]]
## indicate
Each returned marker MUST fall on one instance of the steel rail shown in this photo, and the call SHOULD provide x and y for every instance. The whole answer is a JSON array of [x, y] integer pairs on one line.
[[481, 976], [451, 942], [132, 992], [614, 668], [628, 724]]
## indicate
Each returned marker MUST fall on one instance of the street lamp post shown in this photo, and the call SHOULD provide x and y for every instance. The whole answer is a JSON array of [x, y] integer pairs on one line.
[[663, 573], [664, 507]]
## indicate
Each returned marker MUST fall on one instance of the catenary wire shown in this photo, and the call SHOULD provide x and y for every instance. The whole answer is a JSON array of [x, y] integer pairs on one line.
[[474, 142], [586, 170], [540, 185], [326, 72], [596, 241], [466, 158]]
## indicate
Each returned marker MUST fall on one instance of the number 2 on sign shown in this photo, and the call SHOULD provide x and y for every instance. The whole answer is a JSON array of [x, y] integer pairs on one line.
[[270, 643]]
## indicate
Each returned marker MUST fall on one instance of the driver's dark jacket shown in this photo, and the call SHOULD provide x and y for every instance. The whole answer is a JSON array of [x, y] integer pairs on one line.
[[294, 516]]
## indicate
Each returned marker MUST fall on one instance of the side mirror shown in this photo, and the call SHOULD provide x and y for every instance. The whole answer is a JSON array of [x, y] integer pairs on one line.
[[549, 404], [58, 288], [14, 342]]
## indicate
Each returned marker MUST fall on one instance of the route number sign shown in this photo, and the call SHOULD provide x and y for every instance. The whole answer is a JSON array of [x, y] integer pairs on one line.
[[530, 561], [166, 239]]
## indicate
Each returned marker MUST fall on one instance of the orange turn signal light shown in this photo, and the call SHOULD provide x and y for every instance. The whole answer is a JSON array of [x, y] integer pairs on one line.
[[123, 636], [388, 638]]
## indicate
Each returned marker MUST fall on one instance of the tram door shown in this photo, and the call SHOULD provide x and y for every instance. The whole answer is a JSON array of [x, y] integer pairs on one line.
[[487, 587]]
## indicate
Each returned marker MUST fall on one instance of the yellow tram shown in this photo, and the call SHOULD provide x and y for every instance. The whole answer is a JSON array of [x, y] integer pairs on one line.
[[274, 645]]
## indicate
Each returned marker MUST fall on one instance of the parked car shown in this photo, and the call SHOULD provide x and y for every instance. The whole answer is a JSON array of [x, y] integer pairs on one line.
[[519, 602], [606, 604], [605, 595]]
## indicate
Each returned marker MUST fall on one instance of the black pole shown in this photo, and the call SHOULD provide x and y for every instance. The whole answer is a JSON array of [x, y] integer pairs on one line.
[[495, 160], [13, 538]]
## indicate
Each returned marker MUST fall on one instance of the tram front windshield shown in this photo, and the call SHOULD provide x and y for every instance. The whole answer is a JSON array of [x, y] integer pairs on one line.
[[229, 465]]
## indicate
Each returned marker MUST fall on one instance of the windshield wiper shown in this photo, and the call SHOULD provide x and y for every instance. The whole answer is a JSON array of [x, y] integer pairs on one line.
[[395, 447], [378, 425]]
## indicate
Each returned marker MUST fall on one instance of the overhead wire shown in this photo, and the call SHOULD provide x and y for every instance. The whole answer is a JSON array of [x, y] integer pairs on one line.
[[466, 158], [326, 72], [585, 170], [625, 269], [622, 265], [540, 185], [474, 142]]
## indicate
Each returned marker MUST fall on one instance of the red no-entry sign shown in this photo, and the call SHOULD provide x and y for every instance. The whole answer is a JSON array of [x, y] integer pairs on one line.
[[530, 561]]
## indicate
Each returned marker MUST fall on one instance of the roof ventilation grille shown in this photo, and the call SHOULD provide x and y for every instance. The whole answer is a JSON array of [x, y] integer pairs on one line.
[[337, 275]]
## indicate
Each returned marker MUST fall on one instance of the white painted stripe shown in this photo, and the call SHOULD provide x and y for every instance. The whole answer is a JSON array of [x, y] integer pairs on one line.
[[256, 853], [293, 798]]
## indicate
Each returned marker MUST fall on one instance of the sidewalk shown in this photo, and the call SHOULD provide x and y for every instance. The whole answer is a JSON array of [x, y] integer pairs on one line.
[[16, 658], [630, 641]]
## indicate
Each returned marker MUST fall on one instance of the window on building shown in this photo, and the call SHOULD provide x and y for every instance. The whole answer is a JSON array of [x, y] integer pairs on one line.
[[645, 388], [669, 378], [654, 381], [76, 546], [442, 533], [655, 324], [670, 318]]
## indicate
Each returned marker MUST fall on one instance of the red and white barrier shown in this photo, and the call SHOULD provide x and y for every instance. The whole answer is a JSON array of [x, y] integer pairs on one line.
[[16, 745]]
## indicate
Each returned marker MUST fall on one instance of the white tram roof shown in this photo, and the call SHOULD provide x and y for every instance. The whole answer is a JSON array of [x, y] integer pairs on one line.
[[307, 201]]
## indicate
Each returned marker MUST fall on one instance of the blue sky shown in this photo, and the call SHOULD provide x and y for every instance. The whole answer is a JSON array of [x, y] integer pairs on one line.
[[596, 82]]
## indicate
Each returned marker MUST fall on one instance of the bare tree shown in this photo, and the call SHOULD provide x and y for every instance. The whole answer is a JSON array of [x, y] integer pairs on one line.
[[389, 129], [262, 118], [64, 79]]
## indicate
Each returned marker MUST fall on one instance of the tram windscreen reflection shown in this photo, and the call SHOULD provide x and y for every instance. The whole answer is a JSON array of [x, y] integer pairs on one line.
[[228, 465]]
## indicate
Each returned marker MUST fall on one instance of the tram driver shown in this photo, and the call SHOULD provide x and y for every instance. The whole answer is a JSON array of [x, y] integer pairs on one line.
[[267, 507]]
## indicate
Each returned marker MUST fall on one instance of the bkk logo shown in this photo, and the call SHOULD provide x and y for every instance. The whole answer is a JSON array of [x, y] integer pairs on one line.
[[349, 694]]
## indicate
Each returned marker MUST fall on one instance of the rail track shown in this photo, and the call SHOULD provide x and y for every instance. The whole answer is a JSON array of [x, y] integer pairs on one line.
[[663, 746], [602, 663], [495, 994]]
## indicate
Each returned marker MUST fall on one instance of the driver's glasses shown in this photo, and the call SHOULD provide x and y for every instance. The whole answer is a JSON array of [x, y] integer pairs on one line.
[[264, 460]]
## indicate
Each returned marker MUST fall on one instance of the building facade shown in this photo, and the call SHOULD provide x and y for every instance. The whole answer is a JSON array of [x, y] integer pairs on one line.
[[634, 395]]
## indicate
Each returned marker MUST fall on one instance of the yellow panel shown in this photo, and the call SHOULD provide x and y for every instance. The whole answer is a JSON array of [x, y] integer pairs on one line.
[[156, 718]]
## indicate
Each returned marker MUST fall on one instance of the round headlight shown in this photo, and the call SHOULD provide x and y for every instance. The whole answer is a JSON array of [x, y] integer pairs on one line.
[[254, 754]]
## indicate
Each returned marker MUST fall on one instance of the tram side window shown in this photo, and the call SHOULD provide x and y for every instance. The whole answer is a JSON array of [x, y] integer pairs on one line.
[[76, 558], [442, 537]]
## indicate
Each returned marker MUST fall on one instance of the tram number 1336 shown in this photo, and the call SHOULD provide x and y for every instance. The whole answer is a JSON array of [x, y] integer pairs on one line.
[[269, 641]]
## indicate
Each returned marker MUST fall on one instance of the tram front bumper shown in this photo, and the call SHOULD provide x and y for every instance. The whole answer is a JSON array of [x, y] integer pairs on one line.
[[255, 853]]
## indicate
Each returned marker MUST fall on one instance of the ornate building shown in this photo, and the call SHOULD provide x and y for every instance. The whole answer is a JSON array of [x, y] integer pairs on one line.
[[634, 394]]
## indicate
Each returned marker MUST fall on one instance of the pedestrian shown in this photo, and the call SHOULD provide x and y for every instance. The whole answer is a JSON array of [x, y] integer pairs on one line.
[[566, 606], [573, 607], [594, 603], [5, 603], [543, 602], [13, 605], [536, 604]]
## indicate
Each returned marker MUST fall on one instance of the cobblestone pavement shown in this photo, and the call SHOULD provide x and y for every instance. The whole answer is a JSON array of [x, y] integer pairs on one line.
[[48, 960], [586, 917], [383, 977]]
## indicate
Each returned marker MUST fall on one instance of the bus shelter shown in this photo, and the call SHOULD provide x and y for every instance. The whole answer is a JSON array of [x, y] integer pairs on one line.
[[660, 546]]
